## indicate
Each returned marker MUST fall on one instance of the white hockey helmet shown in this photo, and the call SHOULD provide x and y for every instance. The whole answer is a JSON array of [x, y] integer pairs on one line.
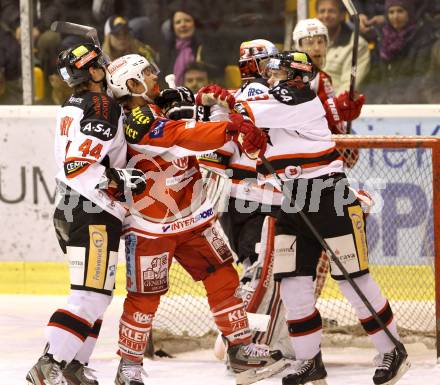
[[251, 53], [308, 28], [128, 67]]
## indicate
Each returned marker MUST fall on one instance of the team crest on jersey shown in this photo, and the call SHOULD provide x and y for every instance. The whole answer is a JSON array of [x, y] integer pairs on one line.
[[292, 172], [181, 163]]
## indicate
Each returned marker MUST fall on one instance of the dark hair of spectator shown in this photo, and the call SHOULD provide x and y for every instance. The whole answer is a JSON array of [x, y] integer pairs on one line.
[[197, 67], [185, 7], [408, 5], [338, 3]]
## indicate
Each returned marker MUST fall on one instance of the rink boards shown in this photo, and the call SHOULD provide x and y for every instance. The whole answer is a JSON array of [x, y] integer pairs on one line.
[[52, 278]]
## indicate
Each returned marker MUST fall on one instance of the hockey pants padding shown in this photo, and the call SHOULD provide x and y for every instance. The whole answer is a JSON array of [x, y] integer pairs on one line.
[[303, 319], [69, 327], [227, 308], [372, 292]]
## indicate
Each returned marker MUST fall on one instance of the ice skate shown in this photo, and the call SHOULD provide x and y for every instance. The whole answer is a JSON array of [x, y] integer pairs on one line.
[[310, 371], [46, 371], [392, 367], [77, 373], [129, 373], [254, 362]]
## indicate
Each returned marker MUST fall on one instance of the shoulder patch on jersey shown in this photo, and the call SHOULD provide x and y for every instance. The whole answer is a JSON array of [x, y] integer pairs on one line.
[[254, 91], [138, 124], [291, 95], [76, 101], [157, 131], [101, 116], [99, 129]]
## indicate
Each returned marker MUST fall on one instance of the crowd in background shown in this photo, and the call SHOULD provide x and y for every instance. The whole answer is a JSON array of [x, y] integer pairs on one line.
[[197, 40]]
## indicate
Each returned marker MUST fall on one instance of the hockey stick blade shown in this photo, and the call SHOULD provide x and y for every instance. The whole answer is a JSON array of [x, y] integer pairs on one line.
[[253, 375], [69, 28]]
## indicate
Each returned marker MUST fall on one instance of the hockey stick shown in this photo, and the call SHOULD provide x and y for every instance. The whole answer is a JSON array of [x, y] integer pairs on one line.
[[334, 258], [354, 56], [76, 29]]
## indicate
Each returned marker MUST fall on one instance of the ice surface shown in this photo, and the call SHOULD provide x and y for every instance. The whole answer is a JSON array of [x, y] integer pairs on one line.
[[22, 321]]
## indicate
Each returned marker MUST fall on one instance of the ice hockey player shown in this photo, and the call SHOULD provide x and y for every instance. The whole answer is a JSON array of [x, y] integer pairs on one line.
[[172, 218], [311, 36], [249, 220], [90, 151], [304, 156]]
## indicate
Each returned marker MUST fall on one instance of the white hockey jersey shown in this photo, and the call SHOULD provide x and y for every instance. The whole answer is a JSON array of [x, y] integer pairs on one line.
[[244, 174], [89, 138], [301, 144]]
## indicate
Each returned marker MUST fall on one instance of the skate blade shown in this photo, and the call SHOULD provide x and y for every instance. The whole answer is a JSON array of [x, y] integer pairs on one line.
[[253, 375], [402, 370]]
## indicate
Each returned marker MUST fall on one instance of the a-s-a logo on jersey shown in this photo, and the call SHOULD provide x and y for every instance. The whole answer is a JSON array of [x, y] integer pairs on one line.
[[99, 130], [157, 131]]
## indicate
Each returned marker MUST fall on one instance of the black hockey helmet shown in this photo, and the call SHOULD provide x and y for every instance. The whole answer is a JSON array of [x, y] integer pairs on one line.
[[296, 64], [73, 63]]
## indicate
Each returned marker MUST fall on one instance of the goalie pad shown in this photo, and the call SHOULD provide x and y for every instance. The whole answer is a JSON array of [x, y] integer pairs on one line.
[[217, 186]]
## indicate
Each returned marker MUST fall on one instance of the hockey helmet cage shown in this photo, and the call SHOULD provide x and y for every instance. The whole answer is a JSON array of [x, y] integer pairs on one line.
[[73, 63], [128, 67], [251, 54], [296, 64], [308, 28]]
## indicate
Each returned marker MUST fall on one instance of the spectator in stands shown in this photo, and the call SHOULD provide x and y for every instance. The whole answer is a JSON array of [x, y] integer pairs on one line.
[[401, 59], [371, 17], [431, 89], [184, 45], [332, 13], [10, 68], [142, 17], [196, 76], [118, 40], [372, 14]]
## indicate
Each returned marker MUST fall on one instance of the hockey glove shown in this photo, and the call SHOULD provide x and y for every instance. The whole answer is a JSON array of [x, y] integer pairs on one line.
[[251, 140], [348, 109], [177, 103], [124, 180], [214, 94]]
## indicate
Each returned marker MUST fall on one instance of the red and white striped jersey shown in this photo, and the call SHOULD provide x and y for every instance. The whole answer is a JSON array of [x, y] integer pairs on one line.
[[165, 150], [89, 137]]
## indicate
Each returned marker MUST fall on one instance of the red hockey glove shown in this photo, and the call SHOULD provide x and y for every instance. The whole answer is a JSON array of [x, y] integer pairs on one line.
[[214, 94], [349, 109], [251, 140]]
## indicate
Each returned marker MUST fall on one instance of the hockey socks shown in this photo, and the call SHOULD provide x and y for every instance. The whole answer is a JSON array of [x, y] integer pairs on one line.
[[303, 319], [372, 292]]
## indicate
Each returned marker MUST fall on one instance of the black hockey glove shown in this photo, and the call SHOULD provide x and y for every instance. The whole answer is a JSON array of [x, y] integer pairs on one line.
[[126, 179], [177, 103]]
